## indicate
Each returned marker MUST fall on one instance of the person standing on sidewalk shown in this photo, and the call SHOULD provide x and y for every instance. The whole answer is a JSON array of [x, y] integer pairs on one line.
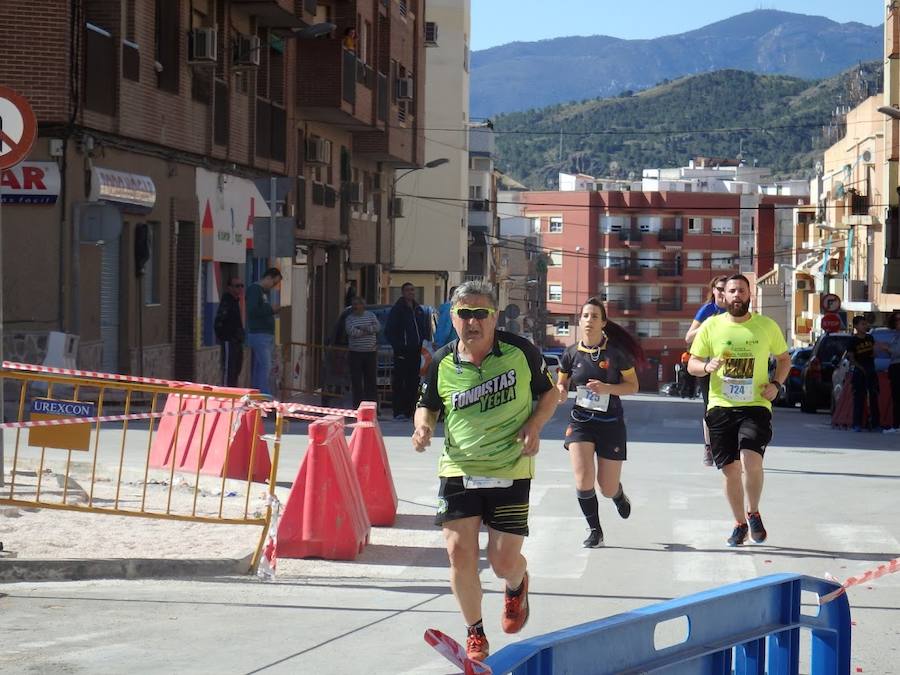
[[601, 366], [261, 329], [861, 354], [893, 351], [484, 383], [407, 327], [734, 349], [229, 329], [715, 305], [362, 328]]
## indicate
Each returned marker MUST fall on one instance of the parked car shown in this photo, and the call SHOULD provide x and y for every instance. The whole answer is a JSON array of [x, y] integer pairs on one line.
[[883, 336], [792, 390], [816, 387], [552, 361]]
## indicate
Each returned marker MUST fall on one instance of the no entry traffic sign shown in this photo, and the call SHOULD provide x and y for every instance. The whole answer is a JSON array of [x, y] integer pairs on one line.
[[831, 323], [18, 128]]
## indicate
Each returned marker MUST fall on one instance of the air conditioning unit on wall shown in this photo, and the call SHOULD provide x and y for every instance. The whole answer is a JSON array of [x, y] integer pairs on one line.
[[315, 151], [355, 193], [247, 51], [405, 88], [804, 285], [203, 45]]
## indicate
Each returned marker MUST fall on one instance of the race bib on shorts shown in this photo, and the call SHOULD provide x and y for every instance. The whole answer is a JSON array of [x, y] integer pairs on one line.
[[478, 482], [585, 398]]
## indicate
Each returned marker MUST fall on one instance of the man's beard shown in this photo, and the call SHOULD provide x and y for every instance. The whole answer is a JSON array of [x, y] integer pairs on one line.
[[738, 309]]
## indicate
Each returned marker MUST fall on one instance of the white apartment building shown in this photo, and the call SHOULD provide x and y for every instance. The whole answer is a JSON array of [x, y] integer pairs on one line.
[[431, 231]]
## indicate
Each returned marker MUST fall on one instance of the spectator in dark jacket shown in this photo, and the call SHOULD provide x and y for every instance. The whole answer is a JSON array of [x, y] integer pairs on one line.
[[230, 332], [406, 328]]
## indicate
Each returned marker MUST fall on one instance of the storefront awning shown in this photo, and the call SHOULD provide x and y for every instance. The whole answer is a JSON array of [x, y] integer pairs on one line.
[[129, 191]]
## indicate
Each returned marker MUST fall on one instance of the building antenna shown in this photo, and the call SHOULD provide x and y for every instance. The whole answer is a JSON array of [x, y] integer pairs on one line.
[[560, 144]]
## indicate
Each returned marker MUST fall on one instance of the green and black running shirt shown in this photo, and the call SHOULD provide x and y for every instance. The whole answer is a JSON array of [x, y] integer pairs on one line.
[[484, 407]]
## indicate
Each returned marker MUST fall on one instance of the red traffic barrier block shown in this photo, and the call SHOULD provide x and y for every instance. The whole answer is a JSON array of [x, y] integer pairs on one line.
[[373, 470], [207, 438], [324, 516], [842, 416]]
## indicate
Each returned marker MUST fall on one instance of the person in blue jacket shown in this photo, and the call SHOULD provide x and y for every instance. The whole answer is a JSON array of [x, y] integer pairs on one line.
[[406, 329], [445, 332], [715, 304]]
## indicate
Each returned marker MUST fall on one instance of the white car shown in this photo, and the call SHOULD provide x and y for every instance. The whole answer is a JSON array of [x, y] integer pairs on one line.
[[552, 361]]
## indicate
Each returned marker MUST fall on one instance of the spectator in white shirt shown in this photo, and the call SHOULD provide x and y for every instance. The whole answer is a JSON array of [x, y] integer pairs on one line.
[[362, 329]]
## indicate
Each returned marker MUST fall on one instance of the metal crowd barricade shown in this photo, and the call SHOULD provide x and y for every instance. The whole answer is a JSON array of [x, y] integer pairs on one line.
[[69, 426], [320, 370], [752, 627]]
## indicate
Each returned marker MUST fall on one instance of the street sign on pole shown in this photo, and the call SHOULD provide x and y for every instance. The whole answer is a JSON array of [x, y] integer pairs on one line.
[[18, 128], [831, 323]]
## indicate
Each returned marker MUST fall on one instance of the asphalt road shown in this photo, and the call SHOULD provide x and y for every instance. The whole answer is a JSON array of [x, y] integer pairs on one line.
[[830, 506]]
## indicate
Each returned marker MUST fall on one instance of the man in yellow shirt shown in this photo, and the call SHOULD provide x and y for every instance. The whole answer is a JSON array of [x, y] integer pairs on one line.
[[734, 349]]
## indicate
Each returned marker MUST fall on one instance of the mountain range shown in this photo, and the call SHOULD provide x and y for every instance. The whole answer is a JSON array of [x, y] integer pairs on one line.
[[523, 75], [780, 122]]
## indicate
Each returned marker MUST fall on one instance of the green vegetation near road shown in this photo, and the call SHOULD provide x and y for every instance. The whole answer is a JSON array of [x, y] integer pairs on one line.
[[779, 122]]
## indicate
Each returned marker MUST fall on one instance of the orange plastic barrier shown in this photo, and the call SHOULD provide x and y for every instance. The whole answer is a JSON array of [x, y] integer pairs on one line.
[[324, 516], [370, 461], [843, 407], [214, 430]]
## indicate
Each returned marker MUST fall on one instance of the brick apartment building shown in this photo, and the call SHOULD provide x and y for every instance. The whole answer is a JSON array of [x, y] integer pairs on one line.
[[160, 125], [649, 256]]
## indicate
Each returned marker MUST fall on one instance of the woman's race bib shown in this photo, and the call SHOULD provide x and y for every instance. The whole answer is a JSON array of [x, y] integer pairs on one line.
[[585, 398]]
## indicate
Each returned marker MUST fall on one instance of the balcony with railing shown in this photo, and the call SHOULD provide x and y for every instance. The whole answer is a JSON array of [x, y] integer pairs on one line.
[[627, 269], [671, 304], [629, 234], [670, 234], [273, 13], [628, 305], [670, 269], [334, 86]]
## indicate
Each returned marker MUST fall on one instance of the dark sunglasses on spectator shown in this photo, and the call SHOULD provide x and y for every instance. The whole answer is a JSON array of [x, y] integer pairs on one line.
[[237, 285], [480, 313], [721, 289]]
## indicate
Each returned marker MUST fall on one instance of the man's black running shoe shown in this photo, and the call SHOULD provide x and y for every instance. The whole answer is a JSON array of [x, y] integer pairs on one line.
[[738, 535], [595, 539], [757, 530]]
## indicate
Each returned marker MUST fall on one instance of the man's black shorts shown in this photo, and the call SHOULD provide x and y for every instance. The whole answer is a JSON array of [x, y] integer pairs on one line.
[[734, 429], [608, 436], [501, 509]]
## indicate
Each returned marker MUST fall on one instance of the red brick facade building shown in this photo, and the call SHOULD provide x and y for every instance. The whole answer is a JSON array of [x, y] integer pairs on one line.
[[164, 121]]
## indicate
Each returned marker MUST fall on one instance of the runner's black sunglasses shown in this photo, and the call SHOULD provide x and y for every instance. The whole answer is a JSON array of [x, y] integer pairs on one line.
[[480, 313]]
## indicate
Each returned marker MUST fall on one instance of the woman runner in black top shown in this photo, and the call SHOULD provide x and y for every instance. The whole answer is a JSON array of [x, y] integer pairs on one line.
[[601, 366]]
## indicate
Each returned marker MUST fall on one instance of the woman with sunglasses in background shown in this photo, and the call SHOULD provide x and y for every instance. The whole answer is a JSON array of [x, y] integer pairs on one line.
[[715, 304], [601, 366]]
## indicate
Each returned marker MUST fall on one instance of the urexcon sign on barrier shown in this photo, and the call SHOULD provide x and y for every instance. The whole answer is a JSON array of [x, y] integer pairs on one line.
[[66, 436]]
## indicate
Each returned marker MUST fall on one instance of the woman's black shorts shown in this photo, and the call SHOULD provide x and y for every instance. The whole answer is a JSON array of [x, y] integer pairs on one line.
[[608, 435]]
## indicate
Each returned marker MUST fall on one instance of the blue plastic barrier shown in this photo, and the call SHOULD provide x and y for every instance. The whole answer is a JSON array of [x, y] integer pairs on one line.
[[730, 629]]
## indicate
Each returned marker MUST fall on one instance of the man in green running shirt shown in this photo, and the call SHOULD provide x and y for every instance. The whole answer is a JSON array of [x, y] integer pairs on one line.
[[485, 383]]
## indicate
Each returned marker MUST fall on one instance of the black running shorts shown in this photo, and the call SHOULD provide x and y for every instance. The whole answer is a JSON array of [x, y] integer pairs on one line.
[[608, 436], [734, 429], [503, 509]]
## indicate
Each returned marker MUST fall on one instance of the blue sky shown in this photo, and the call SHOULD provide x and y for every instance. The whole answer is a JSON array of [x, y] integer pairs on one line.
[[497, 22]]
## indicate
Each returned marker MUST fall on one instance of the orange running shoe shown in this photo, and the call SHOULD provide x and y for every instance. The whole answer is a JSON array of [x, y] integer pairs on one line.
[[515, 609], [477, 646]]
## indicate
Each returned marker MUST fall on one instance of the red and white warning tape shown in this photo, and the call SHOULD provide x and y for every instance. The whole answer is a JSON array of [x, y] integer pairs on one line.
[[63, 421], [30, 367], [869, 575]]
